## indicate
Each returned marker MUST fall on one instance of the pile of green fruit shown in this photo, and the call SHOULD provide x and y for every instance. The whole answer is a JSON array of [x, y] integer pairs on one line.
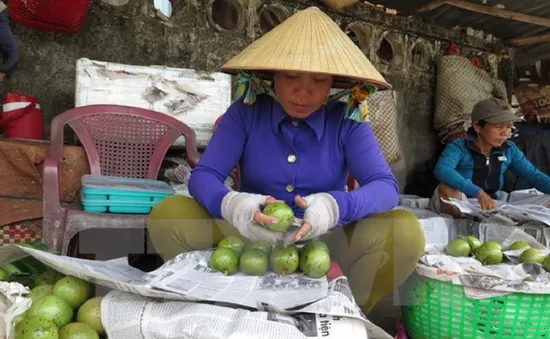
[[256, 257], [491, 252], [530, 254], [488, 253], [63, 307]]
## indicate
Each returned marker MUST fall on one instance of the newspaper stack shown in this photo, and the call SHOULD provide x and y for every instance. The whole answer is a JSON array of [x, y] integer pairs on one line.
[[413, 201], [194, 97], [520, 207], [185, 299], [527, 210]]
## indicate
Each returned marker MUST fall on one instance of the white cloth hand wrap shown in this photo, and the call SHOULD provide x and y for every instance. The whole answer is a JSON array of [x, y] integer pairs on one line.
[[238, 208], [322, 213]]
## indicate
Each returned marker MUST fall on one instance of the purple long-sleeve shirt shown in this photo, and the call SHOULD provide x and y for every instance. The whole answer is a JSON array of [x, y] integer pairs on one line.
[[282, 157]]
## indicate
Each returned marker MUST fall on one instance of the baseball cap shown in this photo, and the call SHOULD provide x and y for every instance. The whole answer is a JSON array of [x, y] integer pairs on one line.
[[494, 110]]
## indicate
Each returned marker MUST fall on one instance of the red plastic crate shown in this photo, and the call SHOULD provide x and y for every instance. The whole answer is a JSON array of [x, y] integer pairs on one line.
[[63, 16]]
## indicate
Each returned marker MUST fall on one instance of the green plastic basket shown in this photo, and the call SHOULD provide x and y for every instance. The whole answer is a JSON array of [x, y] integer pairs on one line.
[[436, 309]]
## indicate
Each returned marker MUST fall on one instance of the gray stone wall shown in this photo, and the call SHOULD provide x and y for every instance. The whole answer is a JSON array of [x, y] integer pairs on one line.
[[203, 34]]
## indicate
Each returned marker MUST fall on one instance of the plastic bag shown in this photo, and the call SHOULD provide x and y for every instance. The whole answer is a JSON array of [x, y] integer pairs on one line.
[[12, 304]]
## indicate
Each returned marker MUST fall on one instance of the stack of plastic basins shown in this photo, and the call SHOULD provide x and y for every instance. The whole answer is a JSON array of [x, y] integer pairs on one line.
[[107, 194]]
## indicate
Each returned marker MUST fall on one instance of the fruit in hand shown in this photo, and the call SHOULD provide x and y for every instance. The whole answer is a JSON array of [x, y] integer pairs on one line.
[[224, 260], [283, 213]]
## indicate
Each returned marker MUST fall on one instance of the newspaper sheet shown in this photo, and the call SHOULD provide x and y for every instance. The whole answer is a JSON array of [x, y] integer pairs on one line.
[[413, 201], [168, 319], [321, 307], [189, 275], [440, 229], [527, 208], [499, 232]]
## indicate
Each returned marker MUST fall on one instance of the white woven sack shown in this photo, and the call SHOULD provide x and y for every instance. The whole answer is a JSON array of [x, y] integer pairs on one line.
[[383, 119], [460, 85]]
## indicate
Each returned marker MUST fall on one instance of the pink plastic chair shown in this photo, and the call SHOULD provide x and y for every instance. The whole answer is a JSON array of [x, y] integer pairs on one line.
[[119, 141]]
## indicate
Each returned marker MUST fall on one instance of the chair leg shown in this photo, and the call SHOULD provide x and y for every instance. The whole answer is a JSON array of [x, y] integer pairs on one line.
[[70, 233], [65, 247], [53, 225], [73, 248]]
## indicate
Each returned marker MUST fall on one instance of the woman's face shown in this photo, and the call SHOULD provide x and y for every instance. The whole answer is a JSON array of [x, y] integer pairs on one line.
[[494, 134], [301, 94]]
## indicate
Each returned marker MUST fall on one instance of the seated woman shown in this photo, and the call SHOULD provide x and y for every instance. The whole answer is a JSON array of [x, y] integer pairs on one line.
[[475, 167], [296, 144]]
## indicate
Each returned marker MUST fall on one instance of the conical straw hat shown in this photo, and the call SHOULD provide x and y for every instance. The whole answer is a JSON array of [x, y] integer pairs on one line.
[[308, 41]]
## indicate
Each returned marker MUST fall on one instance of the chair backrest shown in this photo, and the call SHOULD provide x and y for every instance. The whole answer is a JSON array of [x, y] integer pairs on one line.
[[125, 141]]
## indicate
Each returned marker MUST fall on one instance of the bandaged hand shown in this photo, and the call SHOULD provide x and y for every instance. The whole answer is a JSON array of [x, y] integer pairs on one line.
[[242, 210], [321, 214]]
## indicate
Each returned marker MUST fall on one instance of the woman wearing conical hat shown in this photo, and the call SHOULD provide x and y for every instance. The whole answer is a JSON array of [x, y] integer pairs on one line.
[[295, 143]]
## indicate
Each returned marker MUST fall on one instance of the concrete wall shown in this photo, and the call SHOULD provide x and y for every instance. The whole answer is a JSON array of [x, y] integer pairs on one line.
[[204, 34]]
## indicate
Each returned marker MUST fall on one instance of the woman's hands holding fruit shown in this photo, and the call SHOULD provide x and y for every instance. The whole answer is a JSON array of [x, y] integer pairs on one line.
[[321, 214], [243, 211]]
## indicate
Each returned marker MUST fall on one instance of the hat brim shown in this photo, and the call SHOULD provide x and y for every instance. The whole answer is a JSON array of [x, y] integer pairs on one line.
[[499, 119], [308, 41], [339, 81]]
